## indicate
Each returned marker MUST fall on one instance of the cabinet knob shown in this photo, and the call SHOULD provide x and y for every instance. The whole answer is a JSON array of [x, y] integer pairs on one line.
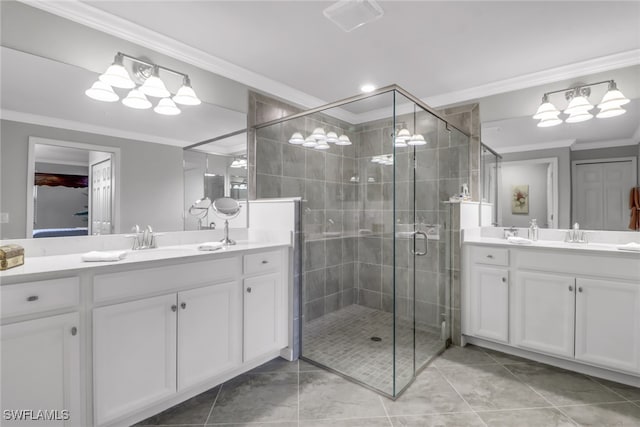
[[570, 288], [32, 298], [504, 280], [183, 305], [248, 290], [490, 256], [174, 307], [74, 331], [265, 262], [580, 289]]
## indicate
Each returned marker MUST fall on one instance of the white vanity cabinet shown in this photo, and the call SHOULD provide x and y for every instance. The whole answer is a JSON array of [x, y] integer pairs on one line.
[[608, 323], [40, 352], [544, 312]]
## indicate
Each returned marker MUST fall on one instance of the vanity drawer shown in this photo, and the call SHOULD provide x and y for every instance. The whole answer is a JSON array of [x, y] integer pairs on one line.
[[263, 262], [490, 255], [34, 297]]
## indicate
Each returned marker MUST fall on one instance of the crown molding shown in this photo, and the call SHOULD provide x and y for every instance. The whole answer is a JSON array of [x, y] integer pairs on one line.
[[603, 144], [36, 119], [563, 143]]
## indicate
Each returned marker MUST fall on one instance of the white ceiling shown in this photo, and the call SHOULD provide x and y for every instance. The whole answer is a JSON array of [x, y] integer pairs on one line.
[[444, 52]]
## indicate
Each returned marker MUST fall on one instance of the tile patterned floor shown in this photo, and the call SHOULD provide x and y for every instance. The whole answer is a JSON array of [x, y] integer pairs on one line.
[[465, 387], [342, 341]]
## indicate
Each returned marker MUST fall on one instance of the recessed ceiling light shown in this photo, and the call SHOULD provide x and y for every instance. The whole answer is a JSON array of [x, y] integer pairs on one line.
[[367, 88]]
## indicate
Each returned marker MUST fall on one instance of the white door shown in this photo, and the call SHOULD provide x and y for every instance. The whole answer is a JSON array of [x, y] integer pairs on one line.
[[544, 313], [262, 326], [41, 369], [601, 193], [101, 194], [209, 332], [134, 355], [490, 303], [608, 323]]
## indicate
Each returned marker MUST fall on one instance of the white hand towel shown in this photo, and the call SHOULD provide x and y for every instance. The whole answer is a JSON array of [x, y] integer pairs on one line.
[[632, 246], [210, 246], [519, 240], [103, 256]]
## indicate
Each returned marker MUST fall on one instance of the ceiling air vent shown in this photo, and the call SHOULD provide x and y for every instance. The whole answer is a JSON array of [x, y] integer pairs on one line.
[[351, 14]]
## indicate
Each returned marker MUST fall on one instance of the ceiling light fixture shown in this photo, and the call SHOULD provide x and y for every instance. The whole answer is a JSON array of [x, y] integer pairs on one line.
[[579, 105], [367, 88], [117, 76]]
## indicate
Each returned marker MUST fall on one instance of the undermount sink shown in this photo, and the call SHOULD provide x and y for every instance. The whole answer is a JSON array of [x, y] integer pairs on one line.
[[157, 253]]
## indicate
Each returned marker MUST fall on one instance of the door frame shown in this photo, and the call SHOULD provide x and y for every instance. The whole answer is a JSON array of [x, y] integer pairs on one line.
[[576, 163], [31, 164]]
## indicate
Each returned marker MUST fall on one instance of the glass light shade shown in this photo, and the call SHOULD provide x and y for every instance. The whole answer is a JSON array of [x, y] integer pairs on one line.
[[417, 139], [167, 107], [100, 91], [613, 98], [318, 134], [136, 99], [296, 139], [186, 96], [322, 145], [548, 115], [579, 116], [154, 86], [578, 103], [343, 140], [552, 121], [332, 137], [310, 142], [117, 76], [404, 134], [400, 143], [545, 110], [610, 111]]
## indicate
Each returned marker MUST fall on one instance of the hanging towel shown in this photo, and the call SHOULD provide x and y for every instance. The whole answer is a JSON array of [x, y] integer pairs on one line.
[[103, 256], [634, 205]]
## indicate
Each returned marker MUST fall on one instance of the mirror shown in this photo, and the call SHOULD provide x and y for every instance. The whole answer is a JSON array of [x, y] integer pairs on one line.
[[582, 152], [227, 209], [200, 210], [145, 148]]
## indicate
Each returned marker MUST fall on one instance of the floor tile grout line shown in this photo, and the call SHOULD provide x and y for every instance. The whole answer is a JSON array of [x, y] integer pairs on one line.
[[458, 393], [213, 404], [384, 408], [608, 388], [553, 405]]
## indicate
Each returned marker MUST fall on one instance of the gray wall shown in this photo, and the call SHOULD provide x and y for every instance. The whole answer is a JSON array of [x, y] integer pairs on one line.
[[605, 153], [535, 176], [56, 206], [564, 178], [151, 177]]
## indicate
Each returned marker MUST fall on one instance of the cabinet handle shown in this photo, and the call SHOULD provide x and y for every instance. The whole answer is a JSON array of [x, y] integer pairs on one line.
[[74, 331], [183, 305], [490, 256], [174, 307], [248, 290], [504, 280], [570, 288], [265, 262], [580, 289], [32, 298]]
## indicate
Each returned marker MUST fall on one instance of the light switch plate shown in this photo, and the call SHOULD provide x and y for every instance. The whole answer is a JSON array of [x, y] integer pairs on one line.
[[4, 217]]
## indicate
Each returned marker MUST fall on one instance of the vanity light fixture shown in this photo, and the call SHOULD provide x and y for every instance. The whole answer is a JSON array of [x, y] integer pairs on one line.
[[238, 164], [150, 84], [579, 106], [319, 139], [402, 137]]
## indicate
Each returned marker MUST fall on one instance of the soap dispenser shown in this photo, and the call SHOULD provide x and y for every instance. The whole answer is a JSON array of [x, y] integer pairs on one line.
[[533, 230]]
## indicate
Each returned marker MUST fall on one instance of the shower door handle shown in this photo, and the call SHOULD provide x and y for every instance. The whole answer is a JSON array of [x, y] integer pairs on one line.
[[426, 243]]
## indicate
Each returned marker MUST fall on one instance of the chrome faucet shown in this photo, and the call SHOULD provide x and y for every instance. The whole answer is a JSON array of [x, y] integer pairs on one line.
[[330, 222], [510, 232], [144, 239]]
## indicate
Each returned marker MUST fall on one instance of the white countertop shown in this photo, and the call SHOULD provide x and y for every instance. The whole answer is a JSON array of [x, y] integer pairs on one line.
[[72, 262], [552, 244]]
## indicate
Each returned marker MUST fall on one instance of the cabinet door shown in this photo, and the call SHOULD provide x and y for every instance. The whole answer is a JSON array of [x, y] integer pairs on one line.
[[262, 310], [608, 323], [41, 370], [544, 313], [490, 303], [209, 332], [134, 355]]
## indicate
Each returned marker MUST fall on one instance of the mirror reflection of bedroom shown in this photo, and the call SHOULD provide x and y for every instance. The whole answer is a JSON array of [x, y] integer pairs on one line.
[[72, 191]]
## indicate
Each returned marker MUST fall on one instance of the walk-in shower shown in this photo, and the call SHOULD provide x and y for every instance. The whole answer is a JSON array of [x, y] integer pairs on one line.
[[375, 295]]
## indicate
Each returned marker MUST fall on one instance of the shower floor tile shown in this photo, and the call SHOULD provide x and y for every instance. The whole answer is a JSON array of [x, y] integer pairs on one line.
[[342, 341]]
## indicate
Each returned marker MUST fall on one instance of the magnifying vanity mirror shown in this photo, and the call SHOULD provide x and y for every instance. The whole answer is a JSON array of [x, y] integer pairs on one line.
[[200, 210], [72, 165], [227, 209]]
